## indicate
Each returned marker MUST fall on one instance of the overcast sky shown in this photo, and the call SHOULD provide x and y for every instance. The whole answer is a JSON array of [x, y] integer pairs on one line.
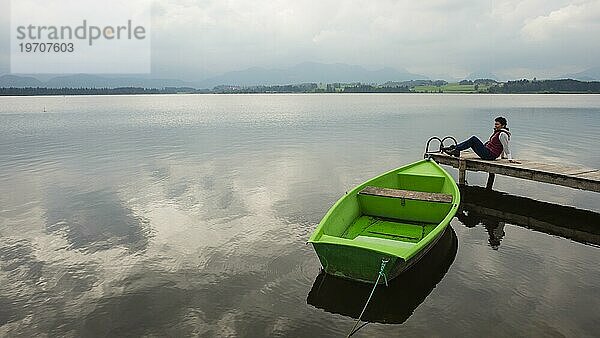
[[194, 39]]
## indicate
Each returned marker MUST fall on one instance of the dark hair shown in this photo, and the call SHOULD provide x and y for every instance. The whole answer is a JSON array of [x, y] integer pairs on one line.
[[502, 120]]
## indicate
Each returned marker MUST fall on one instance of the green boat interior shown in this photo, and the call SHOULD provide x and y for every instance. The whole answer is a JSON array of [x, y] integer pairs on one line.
[[403, 207], [388, 229]]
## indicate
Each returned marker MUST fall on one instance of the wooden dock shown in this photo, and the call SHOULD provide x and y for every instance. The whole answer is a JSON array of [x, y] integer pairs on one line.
[[564, 175]]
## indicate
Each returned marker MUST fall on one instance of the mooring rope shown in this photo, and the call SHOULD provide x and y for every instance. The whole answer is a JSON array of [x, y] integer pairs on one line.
[[381, 273]]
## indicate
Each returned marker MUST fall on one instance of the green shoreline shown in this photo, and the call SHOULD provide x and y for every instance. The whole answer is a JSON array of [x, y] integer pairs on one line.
[[481, 86]]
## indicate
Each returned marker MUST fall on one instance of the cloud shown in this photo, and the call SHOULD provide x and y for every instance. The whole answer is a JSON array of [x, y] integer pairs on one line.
[[195, 39], [432, 37], [574, 19]]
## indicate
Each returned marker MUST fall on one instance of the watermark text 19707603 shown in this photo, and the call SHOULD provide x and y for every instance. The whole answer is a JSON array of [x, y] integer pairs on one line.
[[81, 36]]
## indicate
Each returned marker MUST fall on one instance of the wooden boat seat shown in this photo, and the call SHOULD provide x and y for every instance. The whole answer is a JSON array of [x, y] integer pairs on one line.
[[407, 194]]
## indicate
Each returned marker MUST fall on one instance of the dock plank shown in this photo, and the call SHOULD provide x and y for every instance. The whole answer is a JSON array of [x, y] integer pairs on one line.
[[589, 173], [595, 175], [553, 173]]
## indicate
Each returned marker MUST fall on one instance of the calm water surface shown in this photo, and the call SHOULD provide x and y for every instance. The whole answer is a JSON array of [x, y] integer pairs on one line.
[[188, 215]]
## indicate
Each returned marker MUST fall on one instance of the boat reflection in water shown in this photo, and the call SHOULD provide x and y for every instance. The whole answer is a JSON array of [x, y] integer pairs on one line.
[[396, 302], [492, 209]]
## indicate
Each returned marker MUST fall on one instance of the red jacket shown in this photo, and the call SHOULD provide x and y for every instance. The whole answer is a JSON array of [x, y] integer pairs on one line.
[[494, 145]]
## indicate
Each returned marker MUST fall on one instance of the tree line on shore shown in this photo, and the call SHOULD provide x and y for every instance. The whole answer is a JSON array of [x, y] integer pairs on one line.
[[439, 86], [547, 86]]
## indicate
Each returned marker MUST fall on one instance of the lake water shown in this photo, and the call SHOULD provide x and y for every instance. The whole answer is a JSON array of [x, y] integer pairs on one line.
[[188, 215]]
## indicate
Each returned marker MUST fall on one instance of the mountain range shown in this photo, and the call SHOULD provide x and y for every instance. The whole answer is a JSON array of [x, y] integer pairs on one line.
[[591, 74], [307, 72], [310, 72], [89, 81], [301, 73]]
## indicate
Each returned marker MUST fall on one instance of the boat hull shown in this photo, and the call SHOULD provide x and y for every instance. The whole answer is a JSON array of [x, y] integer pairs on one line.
[[364, 265], [356, 263]]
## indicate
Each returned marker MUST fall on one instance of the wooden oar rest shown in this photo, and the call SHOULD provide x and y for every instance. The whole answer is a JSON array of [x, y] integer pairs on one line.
[[407, 194]]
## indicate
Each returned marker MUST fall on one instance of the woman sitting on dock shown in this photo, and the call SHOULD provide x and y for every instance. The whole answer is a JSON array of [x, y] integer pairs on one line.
[[497, 145]]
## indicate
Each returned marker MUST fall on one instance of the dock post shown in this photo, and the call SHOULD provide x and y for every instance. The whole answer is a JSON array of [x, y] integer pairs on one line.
[[490, 181], [462, 171]]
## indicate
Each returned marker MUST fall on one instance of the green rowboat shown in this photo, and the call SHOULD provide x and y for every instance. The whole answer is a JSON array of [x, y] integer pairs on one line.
[[397, 216]]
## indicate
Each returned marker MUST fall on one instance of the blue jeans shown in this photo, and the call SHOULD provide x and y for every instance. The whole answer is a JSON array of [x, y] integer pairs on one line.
[[477, 146]]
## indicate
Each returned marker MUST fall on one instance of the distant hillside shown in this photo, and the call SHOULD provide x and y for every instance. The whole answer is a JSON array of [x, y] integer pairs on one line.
[[592, 74], [89, 81], [94, 81], [309, 72], [7, 81], [482, 75], [301, 73]]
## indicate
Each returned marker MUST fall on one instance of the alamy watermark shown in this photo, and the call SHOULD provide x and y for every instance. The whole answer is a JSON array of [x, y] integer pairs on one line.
[[82, 36]]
